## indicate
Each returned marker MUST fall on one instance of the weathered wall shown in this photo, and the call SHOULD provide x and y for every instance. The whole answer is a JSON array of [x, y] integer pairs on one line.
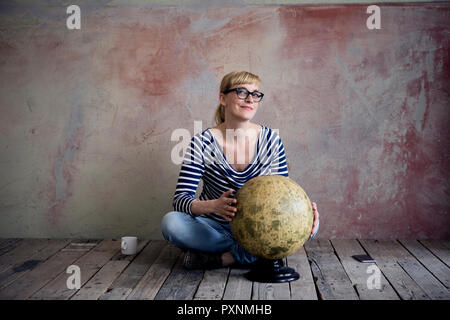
[[87, 115]]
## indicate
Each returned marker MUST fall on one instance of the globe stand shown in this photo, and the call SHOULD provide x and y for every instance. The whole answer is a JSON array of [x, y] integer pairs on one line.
[[271, 271]]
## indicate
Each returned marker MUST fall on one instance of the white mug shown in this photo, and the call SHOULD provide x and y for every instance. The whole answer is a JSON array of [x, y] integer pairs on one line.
[[129, 245]]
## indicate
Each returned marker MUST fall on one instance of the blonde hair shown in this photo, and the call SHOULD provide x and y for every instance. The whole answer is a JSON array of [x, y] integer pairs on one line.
[[232, 79]]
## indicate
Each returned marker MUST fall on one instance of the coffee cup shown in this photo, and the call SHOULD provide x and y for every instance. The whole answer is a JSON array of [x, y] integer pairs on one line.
[[129, 245]]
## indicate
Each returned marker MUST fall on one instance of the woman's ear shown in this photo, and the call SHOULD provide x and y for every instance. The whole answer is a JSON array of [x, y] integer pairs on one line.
[[222, 99]]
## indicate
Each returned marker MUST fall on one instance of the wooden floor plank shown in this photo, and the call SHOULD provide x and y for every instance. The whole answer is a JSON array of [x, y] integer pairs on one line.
[[238, 287], [439, 269], [98, 284], [35, 279], [22, 252], [271, 291], [35, 269], [181, 284], [151, 282], [89, 264], [440, 248], [304, 288], [429, 284], [82, 244], [125, 283], [24, 264], [445, 243], [402, 283], [212, 285], [331, 279], [359, 273], [7, 245]]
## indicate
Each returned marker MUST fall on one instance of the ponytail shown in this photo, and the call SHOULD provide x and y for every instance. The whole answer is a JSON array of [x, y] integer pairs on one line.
[[219, 116]]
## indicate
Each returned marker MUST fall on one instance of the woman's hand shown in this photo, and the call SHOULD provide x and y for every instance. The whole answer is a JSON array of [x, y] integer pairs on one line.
[[316, 219], [224, 205]]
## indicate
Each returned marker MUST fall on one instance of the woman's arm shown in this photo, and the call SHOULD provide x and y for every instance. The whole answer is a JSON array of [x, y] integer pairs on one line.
[[316, 221], [225, 206], [199, 207], [191, 172], [278, 164]]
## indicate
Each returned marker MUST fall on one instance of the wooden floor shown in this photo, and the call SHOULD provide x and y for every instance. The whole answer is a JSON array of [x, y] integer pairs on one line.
[[37, 269]]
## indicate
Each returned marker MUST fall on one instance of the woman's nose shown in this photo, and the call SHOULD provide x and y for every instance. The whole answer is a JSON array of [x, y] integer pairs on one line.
[[249, 98]]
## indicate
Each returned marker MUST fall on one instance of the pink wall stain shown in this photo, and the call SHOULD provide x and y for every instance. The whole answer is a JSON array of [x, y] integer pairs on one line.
[[64, 169], [318, 31]]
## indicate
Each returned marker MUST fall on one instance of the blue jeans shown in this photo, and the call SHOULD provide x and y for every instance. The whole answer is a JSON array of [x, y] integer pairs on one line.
[[203, 234]]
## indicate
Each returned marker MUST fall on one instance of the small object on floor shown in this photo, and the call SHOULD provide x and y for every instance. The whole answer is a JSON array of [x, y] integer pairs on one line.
[[129, 245], [194, 259]]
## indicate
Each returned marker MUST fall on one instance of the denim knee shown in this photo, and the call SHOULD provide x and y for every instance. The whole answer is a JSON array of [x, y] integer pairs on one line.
[[170, 223]]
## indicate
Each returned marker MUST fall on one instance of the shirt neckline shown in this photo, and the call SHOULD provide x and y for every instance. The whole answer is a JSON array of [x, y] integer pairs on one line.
[[252, 163]]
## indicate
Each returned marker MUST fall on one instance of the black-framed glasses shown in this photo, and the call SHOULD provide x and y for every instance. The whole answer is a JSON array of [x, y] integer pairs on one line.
[[243, 93]]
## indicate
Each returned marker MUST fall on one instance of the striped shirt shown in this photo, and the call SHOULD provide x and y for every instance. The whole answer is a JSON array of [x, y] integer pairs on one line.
[[204, 159]]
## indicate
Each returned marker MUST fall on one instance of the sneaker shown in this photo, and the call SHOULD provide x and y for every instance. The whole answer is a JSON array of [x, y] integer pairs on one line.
[[202, 260]]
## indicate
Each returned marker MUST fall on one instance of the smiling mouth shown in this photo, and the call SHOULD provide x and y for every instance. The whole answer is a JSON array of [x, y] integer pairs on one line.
[[247, 107]]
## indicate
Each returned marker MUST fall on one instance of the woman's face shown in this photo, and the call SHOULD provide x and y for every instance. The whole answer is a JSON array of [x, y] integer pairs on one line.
[[235, 107]]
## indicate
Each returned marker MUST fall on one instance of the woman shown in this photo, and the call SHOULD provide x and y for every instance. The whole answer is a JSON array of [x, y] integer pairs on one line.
[[201, 226]]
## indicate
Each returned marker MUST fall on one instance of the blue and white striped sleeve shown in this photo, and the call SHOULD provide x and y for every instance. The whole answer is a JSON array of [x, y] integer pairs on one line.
[[278, 164], [192, 169]]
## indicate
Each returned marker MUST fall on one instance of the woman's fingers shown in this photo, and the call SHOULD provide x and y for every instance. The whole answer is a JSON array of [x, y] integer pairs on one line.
[[230, 209], [316, 212], [229, 216], [316, 217], [228, 212], [227, 193], [229, 204]]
